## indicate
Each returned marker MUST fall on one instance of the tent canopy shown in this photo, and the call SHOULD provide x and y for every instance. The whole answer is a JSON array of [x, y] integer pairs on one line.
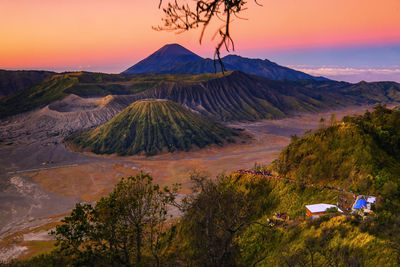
[[360, 204]]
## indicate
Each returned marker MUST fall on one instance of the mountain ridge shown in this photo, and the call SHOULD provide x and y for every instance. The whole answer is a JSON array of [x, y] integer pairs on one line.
[[175, 59], [162, 58], [14, 81], [234, 96]]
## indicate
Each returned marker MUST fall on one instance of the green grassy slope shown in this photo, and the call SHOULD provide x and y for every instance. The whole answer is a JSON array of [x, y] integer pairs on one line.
[[360, 153], [337, 241], [152, 126], [333, 240]]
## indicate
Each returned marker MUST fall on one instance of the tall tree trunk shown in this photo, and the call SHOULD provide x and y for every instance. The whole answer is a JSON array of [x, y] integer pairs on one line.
[[138, 245]]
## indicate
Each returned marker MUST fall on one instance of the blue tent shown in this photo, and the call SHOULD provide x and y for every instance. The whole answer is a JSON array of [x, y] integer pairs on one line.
[[360, 204]]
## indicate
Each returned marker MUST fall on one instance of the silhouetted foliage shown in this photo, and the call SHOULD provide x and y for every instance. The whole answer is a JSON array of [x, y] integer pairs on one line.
[[183, 17]]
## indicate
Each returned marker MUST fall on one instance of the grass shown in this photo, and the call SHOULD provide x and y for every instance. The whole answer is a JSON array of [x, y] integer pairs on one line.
[[36, 248], [279, 244]]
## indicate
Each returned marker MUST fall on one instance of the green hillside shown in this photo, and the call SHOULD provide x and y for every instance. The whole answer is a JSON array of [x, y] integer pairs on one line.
[[361, 153], [152, 126]]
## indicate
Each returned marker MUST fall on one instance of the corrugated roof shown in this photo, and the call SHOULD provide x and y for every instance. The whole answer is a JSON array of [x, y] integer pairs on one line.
[[321, 207]]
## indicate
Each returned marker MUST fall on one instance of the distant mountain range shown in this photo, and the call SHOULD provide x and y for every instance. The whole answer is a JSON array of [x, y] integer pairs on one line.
[[232, 96], [235, 96], [238, 96], [174, 58]]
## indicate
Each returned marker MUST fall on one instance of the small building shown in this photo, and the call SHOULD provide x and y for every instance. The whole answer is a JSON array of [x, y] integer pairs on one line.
[[316, 210]]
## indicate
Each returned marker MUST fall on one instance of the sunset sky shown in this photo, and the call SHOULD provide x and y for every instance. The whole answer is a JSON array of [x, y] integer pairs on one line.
[[335, 37]]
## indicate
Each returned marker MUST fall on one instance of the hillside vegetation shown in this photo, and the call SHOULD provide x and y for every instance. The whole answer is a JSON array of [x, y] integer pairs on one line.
[[361, 153], [14, 81], [48, 91], [150, 127], [224, 223]]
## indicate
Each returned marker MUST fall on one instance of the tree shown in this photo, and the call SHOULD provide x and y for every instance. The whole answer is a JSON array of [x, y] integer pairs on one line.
[[333, 119], [73, 235], [182, 17], [123, 228], [321, 123], [219, 212]]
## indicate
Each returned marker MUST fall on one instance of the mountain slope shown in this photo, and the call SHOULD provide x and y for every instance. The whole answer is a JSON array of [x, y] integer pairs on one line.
[[241, 97], [175, 59], [198, 67], [373, 92], [232, 96], [163, 59], [361, 153], [14, 81], [265, 68], [152, 126], [88, 84]]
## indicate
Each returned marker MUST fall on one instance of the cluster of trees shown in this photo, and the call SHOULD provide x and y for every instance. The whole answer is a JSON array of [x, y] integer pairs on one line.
[[132, 225], [122, 229], [217, 216], [223, 223]]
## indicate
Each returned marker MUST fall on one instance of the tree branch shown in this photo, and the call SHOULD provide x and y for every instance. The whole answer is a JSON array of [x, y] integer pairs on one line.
[[181, 18]]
